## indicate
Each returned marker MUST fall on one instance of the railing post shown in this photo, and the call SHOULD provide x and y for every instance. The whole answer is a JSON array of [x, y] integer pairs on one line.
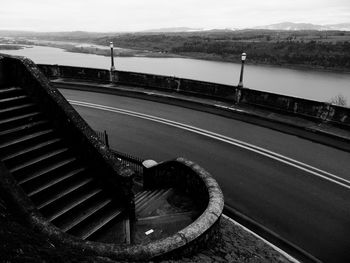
[[112, 63], [147, 174], [106, 138], [178, 82], [56, 71], [238, 94], [240, 84]]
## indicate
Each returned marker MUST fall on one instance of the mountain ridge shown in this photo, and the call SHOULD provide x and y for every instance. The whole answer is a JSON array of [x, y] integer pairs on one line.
[[305, 26], [287, 26]]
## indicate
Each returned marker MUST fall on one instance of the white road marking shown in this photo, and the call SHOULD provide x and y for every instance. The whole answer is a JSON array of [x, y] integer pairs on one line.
[[259, 150]]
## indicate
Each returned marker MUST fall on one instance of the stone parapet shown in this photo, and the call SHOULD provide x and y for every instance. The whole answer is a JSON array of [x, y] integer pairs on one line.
[[315, 110]]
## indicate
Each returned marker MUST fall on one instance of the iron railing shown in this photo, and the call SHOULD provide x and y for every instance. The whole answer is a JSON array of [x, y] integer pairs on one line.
[[103, 136], [135, 163]]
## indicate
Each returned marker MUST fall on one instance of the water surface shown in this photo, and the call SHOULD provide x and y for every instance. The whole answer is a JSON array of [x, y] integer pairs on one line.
[[309, 84]]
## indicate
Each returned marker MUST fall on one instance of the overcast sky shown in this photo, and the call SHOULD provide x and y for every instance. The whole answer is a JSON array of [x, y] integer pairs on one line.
[[134, 15]]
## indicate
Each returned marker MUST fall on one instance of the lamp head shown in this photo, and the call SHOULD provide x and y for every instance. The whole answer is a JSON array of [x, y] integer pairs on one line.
[[244, 56], [111, 44]]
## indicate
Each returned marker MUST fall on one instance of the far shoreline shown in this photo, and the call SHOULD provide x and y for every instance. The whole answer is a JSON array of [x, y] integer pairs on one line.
[[152, 54], [209, 57]]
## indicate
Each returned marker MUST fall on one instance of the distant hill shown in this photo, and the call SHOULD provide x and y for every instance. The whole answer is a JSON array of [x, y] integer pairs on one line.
[[15, 33], [305, 26], [72, 35], [172, 30], [19, 33]]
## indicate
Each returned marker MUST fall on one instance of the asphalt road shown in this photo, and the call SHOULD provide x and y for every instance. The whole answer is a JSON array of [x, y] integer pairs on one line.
[[307, 210]]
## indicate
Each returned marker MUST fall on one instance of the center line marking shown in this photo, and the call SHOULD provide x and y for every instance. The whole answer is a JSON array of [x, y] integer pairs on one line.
[[270, 154]]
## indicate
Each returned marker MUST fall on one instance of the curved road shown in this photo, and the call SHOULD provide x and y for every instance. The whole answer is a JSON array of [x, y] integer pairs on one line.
[[309, 206]]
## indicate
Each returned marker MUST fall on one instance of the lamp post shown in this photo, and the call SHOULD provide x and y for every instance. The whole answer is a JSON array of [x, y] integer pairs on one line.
[[240, 84], [112, 62], [112, 56]]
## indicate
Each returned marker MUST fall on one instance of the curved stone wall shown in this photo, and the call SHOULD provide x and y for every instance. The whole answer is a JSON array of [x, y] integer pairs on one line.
[[196, 235]]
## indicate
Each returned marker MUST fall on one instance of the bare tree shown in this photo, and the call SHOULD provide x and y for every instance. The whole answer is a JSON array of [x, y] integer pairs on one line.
[[339, 100]]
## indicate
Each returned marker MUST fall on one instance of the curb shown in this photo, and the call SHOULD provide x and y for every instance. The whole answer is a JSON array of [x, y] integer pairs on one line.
[[282, 252], [269, 237]]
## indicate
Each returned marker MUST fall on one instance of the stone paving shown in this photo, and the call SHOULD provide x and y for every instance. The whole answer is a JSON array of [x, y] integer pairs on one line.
[[235, 245]]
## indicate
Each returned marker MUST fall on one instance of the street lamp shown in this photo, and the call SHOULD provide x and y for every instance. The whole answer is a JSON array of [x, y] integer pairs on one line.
[[240, 84], [112, 56], [112, 62]]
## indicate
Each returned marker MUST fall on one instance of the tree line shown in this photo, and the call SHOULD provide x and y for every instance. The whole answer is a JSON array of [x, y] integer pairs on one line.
[[308, 48], [313, 53], [314, 49]]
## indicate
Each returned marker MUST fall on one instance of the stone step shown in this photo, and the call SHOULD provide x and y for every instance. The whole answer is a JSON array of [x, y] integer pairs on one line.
[[14, 109], [73, 203], [154, 194], [98, 225], [9, 90], [21, 119], [24, 128], [18, 100], [168, 218], [151, 202], [30, 149], [54, 182], [57, 196], [38, 159], [145, 197], [141, 194], [9, 94], [84, 215], [25, 138], [46, 170]]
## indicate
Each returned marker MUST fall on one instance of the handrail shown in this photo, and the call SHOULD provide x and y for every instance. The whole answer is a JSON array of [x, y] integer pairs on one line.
[[133, 162]]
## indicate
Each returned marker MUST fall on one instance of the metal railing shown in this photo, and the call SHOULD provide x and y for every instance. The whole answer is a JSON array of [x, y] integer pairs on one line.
[[135, 163], [132, 162], [103, 136]]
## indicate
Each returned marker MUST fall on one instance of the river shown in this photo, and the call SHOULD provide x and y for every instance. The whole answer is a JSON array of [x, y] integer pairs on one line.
[[309, 84]]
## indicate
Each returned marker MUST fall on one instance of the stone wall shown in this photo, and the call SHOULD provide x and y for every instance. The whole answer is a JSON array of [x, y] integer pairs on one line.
[[56, 71], [2, 76], [192, 179], [307, 108], [315, 110]]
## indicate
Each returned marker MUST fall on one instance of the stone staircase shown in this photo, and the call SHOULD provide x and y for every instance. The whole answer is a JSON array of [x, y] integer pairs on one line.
[[161, 212], [63, 188], [60, 178]]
